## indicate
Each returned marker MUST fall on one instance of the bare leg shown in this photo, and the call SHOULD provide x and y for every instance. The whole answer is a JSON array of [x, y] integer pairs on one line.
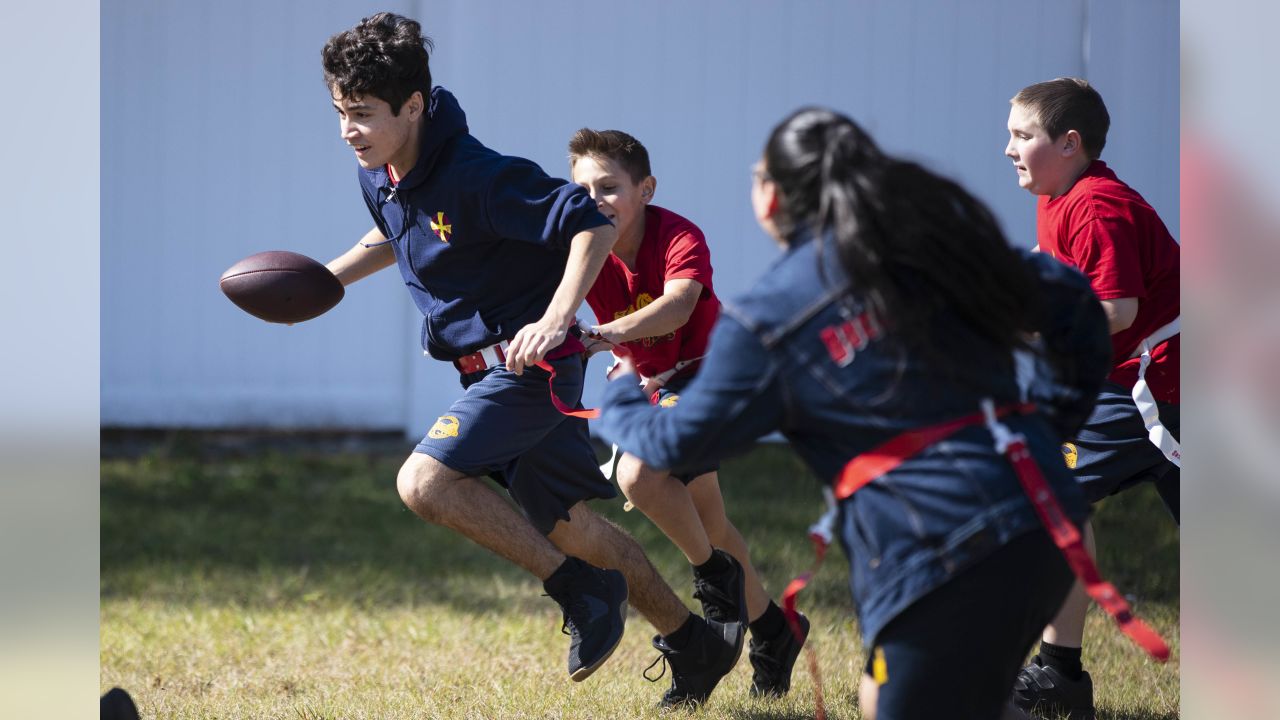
[[1067, 628], [667, 502], [868, 694], [705, 490], [603, 544], [466, 505]]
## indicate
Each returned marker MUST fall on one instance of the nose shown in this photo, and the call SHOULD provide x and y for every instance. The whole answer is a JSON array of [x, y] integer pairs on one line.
[[1009, 152], [347, 129]]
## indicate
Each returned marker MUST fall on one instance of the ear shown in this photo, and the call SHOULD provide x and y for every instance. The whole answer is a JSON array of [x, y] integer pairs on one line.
[[414, 105], [1072, 143], [770, 191], [648, 187]]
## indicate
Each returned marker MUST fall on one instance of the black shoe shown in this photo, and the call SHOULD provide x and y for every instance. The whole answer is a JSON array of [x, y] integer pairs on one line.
[[117, 705], [1043, 690], [594, 602], [724, 594], [1013, 712], [710, 654], [773, 658]]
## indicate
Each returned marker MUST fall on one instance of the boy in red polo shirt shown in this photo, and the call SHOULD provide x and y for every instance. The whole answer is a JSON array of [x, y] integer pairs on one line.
[[1087, 218], [654, 297]]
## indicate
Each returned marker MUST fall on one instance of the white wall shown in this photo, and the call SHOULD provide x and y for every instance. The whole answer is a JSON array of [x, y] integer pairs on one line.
[[218, 141]]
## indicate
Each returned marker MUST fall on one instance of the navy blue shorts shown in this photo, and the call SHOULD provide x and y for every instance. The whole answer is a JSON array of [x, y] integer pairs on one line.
[[505, 426], [956, 651], [668, 396], [1112, 452]]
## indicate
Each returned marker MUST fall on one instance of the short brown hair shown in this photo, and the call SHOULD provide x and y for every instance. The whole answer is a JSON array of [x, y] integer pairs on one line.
[[614, 145], [1068, 103]]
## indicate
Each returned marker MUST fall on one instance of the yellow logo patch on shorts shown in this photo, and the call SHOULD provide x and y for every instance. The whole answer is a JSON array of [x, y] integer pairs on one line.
[[879, 668], [669, 401], [446, 426], [1070, 455]]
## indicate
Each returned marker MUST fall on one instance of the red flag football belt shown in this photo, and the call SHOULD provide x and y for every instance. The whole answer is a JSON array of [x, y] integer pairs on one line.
[[482, 359], [874, 463], [495, 355]]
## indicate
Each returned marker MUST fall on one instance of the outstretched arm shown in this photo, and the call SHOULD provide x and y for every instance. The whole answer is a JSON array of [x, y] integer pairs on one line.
[[587, 253], [367, 257], [664, 315], [735, 399]]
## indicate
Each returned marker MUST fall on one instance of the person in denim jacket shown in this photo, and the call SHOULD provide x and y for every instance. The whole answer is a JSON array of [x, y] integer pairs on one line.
[[898, 304]]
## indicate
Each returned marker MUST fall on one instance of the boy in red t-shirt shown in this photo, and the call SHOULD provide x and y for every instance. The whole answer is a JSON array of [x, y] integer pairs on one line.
[[1087, 218], [654, 297]]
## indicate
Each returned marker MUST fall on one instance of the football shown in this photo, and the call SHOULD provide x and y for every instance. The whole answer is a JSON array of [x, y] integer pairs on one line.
[[281, 286]]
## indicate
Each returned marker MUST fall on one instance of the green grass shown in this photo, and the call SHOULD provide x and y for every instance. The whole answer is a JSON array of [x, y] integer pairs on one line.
[[294, 584]]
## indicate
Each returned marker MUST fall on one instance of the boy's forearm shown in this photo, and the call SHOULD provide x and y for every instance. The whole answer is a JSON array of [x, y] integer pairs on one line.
[[362, 261], [587, 253], [664, 315]]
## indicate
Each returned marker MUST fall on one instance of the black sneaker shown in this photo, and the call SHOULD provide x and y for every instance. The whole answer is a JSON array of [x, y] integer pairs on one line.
[[1013, 712], [117, 705], [594, 602], [1043, 690], [773, 658], [711, 653], [724, 594]]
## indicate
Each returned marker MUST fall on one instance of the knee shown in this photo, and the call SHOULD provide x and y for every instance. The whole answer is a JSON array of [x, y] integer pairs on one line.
[[639, 482], [419, 486]]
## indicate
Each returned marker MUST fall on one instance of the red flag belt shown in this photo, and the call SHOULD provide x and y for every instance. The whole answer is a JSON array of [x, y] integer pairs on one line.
[[880, 460]]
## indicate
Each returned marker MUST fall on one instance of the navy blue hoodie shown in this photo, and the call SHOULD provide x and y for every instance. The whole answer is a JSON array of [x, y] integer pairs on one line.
[[481, 239]]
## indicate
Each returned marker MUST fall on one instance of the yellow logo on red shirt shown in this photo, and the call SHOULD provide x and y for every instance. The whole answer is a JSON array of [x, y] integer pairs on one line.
[[669, 401], [446, 426], [442, 227], [642, 301]]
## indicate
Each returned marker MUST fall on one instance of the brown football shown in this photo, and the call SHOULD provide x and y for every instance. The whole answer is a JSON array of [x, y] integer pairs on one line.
[[281, 286]]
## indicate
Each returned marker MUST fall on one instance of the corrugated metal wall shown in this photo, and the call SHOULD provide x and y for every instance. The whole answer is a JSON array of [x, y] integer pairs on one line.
[[218, 141]]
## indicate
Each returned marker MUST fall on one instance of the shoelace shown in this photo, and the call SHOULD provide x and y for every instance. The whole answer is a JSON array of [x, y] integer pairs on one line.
[[577, 607], [566, 619], [662, 658], [762, 654], [704, 590]]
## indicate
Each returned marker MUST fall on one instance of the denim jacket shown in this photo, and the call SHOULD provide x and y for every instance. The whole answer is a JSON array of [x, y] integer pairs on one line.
[[798, 354]]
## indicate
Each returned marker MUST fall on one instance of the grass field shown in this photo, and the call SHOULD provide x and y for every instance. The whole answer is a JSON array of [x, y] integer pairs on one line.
[[292, 583]]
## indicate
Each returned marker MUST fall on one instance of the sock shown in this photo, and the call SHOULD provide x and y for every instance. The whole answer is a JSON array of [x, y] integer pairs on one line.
[[1065, 660], [770, 622], [717, 563], [567, 569], [680, 638]]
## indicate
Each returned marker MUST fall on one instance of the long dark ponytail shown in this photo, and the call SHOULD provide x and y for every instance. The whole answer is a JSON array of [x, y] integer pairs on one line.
[[915, 245]]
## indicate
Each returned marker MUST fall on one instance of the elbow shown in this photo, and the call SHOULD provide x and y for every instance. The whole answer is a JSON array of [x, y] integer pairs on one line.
[[681, 315], [1120, 313], [1120, 324]]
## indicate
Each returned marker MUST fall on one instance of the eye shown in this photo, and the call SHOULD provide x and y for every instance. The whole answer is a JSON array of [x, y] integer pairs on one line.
[[609, 188]]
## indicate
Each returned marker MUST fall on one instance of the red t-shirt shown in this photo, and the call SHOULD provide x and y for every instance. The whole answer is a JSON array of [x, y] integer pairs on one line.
[[1106, 230], [673, 248]]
